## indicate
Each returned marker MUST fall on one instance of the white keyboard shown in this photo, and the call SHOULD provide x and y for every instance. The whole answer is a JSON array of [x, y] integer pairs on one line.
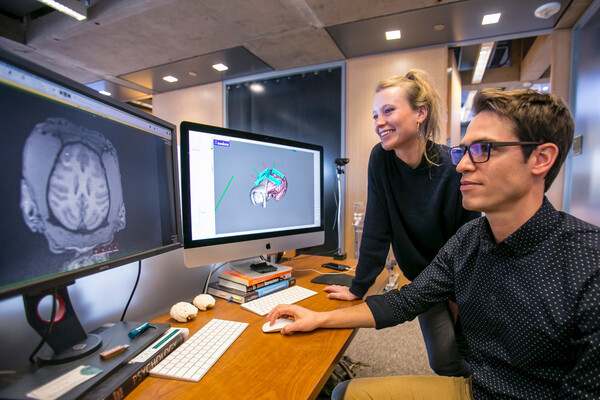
[[291, 295], [194, 357]]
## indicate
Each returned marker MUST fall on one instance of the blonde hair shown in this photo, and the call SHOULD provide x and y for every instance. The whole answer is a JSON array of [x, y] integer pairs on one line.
[[420, 93]]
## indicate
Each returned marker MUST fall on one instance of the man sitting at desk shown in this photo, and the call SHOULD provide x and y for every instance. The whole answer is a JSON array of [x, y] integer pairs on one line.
[[525, 276]]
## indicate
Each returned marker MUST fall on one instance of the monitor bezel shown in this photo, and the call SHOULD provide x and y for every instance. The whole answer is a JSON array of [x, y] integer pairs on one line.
[[68, 277], [188, 243]]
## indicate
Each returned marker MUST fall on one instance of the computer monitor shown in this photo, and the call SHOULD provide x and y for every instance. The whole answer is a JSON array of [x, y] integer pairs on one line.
[[89, 183], [245, 194]]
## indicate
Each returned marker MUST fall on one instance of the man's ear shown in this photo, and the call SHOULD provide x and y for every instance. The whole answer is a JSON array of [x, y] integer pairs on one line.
[[543, 158]]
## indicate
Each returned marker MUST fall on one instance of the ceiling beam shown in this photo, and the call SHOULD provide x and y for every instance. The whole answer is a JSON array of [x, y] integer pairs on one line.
[[572, 14], [492, 77], [12, 29], [537, 60], [504, 77]]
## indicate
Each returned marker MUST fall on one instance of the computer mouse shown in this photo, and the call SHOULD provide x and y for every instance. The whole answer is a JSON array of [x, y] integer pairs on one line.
[[276, 327]]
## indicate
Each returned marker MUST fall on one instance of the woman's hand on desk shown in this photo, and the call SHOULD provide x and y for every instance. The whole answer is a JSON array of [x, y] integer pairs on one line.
[[339, 293], [304, 320]]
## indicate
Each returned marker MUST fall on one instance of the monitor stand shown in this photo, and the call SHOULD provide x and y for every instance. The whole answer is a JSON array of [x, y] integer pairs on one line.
[[340, 254], [67, 338]]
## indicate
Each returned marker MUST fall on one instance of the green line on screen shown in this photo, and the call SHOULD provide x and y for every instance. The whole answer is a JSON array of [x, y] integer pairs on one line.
[[224, 193]]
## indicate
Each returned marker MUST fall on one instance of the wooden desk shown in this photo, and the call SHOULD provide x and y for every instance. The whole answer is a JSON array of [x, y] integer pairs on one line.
[[265, 366]]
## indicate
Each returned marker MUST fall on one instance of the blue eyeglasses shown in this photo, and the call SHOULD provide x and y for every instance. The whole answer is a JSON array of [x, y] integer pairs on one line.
[[480, 152]]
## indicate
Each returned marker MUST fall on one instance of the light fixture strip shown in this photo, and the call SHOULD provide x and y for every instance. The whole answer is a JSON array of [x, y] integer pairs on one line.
[[466, 110], [485, 51], [68, 9]]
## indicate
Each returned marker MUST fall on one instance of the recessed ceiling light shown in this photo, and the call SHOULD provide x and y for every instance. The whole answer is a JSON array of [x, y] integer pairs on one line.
[[257, 88], [439, 27], [104, 92], [170, 79], [192, 73], [491, 19], [547, 10], [392, 35], [220, 67]]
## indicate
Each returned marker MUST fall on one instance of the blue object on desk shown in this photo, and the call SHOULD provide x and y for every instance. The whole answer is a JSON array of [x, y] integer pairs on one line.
[[137, 331]]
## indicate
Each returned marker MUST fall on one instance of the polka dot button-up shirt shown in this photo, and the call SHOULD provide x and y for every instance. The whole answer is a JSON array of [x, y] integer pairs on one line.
[[529, 305]]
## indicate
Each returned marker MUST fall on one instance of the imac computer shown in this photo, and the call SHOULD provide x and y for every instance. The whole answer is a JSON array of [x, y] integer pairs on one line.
[[89, 183], [245, 194]]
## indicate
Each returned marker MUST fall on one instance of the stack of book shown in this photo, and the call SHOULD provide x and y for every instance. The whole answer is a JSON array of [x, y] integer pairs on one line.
[[241, 284]]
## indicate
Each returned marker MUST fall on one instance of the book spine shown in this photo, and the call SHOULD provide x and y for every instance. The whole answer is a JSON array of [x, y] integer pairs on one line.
[[274, 287], [232, 294], [243, 279], [234, 278], [238, 286], [131, 375]]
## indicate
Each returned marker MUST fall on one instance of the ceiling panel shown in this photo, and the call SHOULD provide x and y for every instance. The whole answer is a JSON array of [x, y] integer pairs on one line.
[[461, 21], [198, 70], [134, 43]]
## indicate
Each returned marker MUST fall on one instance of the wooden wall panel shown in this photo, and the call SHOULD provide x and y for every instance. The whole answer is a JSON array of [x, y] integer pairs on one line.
[[454, 100], [202, 104], [362, 76]]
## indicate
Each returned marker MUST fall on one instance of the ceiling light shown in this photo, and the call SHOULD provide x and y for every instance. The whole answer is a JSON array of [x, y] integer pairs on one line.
[[547, 10], [257, 88], [439, 27], [193, 73], [466, 110], [491, 19], [485, 51], [392, 35], [72, 8], [220, 67], [170, 79], [104, 92]]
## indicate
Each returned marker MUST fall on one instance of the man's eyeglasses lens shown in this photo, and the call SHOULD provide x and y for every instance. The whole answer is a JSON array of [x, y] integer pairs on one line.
[[479, 153]]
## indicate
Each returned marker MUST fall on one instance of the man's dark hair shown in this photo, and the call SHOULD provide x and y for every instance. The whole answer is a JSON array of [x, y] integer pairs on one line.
[[535, 117]]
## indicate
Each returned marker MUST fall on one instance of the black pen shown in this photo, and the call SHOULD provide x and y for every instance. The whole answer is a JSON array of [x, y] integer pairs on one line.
[[134, 333]]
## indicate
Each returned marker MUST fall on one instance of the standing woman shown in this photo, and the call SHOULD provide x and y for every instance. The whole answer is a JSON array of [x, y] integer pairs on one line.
[[414, 203]]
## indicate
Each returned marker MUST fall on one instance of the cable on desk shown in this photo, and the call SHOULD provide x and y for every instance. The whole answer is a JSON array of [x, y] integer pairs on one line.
[[133, 291], [50, 325]]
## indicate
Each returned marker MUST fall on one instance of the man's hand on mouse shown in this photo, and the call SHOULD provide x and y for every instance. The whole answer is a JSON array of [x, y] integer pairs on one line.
[[304, 320]]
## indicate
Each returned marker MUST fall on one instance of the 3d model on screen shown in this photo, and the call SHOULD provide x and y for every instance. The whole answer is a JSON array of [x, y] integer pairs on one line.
[[269, 184], [71, 189]]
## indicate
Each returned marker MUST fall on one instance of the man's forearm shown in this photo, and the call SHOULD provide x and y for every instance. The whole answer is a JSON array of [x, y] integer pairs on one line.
[[358, 316]]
